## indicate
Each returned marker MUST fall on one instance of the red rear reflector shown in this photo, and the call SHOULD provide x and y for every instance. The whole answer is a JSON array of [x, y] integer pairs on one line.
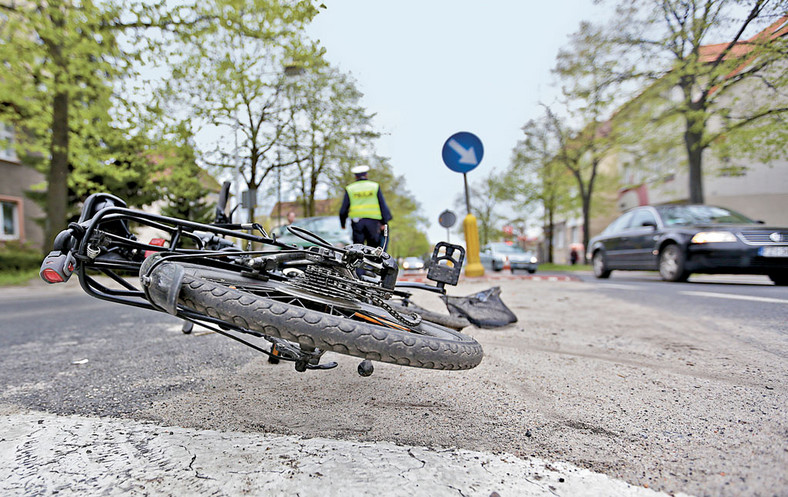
[[51, 276], [159, 242]]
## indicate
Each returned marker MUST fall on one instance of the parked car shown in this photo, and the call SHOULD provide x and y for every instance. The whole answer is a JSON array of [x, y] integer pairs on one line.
[[412, 263], [496, 256], [326, 227], [678, 240]]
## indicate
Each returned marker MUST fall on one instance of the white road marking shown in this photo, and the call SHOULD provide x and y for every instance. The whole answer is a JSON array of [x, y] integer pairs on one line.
[[736, 297]]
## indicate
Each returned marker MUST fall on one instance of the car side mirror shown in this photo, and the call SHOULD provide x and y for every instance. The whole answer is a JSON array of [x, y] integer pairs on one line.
[[652, 224]]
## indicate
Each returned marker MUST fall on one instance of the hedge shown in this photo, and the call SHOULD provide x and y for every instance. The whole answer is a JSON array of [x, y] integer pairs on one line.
[[14, 257]]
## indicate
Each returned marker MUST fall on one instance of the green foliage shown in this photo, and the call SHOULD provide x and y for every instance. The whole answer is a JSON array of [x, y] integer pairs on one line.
[[63, 68], [593, 74], [407, 235], [17, 277], [486, 197], [548, 267], [182, 184], [326, 127], [15, 257], [537, 181], [717, 81], [124, 166], [230, 77], [60, 60]]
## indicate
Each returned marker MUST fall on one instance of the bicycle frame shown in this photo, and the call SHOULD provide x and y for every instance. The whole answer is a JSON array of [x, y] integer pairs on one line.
[[176, 228]]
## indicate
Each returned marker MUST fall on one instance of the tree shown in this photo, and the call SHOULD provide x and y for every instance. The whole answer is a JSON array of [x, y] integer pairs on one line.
[[730, 96], [182, 184], [535, 177], [592, 81], [486, 195], [59, 60], [231, 79], [326, 127], [63, 67]]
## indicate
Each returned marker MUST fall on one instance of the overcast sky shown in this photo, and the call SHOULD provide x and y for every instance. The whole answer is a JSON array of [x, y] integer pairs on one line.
[[431, 68]]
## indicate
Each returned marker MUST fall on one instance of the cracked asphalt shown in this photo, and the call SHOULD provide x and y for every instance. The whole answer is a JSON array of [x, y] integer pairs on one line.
[[586, 395]]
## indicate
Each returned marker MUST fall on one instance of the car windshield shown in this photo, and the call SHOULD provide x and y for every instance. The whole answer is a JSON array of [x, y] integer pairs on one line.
[[507, 249], [700, 214], [326, 224], [319, 224]]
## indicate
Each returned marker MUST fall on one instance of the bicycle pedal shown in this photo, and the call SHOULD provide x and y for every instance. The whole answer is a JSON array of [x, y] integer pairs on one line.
[[446, 263]]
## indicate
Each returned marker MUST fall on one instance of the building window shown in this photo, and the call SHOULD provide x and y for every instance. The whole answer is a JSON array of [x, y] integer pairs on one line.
[[559, 237], [575, 236], [7, 151], [9, 220]]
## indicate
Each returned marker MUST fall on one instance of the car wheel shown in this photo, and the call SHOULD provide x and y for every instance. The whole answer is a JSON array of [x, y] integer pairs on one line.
[[531, 271], [496, 268], [671, 263], [779, 279], [600, 267]]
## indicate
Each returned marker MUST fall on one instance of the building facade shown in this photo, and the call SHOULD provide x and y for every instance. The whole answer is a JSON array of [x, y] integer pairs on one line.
[[18, 214]]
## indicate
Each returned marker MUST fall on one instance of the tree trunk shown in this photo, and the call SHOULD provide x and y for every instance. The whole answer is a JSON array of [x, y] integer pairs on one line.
[[695, 126], [57, 187], [692, 141], [586, 220], [550, 229]]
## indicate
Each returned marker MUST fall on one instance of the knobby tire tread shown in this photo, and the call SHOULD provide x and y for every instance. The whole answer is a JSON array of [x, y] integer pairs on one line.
[[328, 332]]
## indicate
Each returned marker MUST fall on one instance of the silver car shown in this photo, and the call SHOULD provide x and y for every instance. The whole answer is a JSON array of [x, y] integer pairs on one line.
[[498, 256], [326, 227]]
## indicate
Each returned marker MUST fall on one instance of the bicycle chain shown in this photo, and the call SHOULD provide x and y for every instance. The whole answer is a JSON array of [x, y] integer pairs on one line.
[[324, 280]]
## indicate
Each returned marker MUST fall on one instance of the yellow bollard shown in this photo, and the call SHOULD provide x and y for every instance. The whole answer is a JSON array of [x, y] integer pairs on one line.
[[474, 266]]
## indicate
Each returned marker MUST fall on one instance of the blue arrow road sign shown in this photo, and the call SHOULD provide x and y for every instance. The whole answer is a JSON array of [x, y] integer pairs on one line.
[[462, 152]]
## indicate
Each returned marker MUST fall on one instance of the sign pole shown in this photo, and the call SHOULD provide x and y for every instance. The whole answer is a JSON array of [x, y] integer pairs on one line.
[[467, 194], [461, 153]]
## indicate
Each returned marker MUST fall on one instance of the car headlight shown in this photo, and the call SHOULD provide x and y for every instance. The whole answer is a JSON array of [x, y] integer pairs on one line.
[[713, 237], [533, 260]]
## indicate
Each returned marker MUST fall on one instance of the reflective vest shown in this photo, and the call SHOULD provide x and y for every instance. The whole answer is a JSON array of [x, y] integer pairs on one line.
[[364, 200]]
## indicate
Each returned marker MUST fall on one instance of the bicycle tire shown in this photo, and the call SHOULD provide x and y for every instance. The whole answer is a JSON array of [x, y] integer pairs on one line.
[[435, 347], [447, 320]]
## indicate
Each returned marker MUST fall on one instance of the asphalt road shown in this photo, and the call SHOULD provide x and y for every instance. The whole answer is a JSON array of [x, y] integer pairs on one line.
[[749, 299], [657, 386]]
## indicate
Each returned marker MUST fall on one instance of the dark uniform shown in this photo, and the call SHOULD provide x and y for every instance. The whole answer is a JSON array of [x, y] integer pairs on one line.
[[365, 206]]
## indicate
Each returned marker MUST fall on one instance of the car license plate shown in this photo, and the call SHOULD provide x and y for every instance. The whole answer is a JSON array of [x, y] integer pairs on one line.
[[774, 251]]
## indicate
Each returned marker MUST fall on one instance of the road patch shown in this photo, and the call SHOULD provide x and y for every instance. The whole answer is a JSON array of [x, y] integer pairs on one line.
[[74, 455]]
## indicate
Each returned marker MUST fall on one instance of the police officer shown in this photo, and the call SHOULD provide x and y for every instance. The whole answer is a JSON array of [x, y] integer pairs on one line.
[[365, 206]]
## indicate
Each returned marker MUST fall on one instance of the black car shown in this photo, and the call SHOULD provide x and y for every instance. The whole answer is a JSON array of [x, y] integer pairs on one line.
[[678, 240]]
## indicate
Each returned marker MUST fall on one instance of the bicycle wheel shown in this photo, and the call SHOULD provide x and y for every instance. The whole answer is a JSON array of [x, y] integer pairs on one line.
[[447, 320], [311, 320]]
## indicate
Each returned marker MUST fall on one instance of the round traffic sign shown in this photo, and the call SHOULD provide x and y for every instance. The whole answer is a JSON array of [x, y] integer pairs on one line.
[[447, 219], [462, 152]]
